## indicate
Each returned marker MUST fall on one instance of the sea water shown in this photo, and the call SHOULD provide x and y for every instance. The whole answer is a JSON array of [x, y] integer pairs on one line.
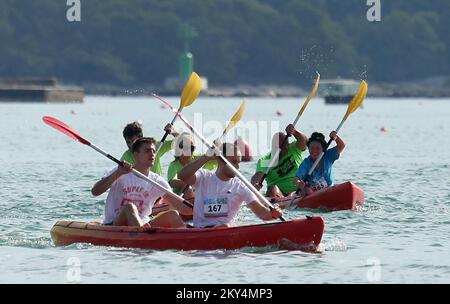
[[397, 152]]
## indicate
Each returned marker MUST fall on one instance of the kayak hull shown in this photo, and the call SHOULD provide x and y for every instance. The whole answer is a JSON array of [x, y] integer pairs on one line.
[[345, 196], [304, 232]]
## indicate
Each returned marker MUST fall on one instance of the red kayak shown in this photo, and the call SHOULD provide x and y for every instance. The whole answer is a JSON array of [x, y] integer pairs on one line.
[[306, 233], [343, 196]]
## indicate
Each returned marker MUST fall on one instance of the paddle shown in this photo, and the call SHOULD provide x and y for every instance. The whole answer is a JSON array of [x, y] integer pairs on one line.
[[212, 146], [352, 106], [62, 127], [189, 94], [274, 158], [234, 120]]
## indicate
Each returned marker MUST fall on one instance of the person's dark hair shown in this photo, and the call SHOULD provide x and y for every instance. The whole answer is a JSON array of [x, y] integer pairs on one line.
[[133, 129], [318, 137], [140, 141]]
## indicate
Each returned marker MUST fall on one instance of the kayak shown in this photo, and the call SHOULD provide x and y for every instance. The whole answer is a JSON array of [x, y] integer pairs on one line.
[[301, 232], [345, 196]]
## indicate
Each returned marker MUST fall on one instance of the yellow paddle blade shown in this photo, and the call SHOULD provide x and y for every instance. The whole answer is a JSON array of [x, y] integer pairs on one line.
[[311, 95], [190, 91], [364, 93], [357, 99], [236, 117], [361, 96]]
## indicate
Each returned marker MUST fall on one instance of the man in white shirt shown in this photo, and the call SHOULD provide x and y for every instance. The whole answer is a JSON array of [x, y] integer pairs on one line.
[[131, 199], [219, 194]]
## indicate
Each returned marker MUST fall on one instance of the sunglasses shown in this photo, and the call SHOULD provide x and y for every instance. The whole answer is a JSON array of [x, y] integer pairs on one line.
[[192, 147]]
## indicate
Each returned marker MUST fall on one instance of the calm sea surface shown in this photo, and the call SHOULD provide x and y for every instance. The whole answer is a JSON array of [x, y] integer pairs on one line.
[[397, 151]]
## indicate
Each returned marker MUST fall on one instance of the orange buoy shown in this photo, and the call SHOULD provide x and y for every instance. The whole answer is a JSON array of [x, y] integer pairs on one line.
[[245, 149]]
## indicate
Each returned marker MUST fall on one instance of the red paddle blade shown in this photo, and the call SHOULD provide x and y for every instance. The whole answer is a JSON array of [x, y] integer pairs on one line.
[[62, 127]]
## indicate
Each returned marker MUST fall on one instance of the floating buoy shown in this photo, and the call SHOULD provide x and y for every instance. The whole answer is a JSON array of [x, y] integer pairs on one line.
[[73, 112], [244, 147], [383, 129], [279, 113]]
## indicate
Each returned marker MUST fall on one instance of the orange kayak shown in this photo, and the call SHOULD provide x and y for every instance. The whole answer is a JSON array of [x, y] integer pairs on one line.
[[301, 232], [343, 196]]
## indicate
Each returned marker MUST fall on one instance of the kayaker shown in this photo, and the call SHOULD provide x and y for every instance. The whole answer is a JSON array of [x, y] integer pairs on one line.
[[322, 176], [219, 194], [184, 147], [133, 131], [130, 199], [280, 178]]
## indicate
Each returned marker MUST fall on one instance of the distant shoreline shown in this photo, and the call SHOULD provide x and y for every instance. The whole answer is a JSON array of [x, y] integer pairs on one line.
[[432, 88]]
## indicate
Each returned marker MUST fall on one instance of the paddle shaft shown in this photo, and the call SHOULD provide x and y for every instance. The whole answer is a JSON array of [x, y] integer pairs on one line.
[[205, 141], [142, 176], [67, 130], [286, 138], [273, 160], [220, 138], [158, 147], [188, 95], [353, 105], [316, 162], [238, 174]]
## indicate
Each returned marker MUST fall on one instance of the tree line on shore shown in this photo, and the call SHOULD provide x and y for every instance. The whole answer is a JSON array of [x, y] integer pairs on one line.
[[138, 42]]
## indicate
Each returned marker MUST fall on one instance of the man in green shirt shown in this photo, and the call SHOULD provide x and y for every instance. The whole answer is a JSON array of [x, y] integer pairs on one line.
[[133, 131], [280, 178]]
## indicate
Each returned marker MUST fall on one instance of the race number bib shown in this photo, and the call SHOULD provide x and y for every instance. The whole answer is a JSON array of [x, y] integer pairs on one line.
[[319, 183], [216, 207]]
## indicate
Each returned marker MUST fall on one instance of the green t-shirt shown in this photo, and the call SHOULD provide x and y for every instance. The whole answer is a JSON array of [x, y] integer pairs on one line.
[[176, 166], [283, 173], [166, 146]]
